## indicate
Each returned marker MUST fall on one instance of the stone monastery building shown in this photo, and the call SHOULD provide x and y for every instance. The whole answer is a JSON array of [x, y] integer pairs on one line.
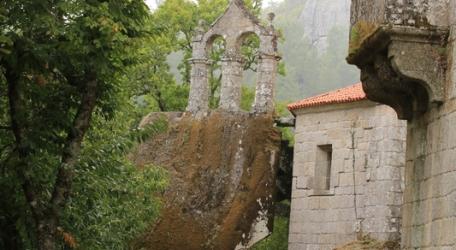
[[406, 54], [348, 170]]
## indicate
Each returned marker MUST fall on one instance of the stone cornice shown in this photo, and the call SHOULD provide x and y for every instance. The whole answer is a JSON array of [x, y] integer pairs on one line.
[[403, 67], [385, 34]]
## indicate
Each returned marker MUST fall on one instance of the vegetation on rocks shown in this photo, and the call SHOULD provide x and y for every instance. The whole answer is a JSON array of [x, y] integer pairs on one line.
[[223, 172], [367, 243], [182, 17], [360, 31], [75, 79]]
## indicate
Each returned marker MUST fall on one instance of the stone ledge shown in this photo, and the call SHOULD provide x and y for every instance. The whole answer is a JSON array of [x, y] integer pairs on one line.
[[403, 67]]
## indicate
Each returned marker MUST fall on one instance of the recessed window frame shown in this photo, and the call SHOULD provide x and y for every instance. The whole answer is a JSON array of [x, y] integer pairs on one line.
[[322, 184]]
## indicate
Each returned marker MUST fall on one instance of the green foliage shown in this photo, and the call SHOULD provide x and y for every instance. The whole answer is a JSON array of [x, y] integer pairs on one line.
[[278, 240], [303, 71], [287, 133], [113, 202], [52, 54], [179, 18], [247, 97], [150, 80], [51, 50], [215, 71]]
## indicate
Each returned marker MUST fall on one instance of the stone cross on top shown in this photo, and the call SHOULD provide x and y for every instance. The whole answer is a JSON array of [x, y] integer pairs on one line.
[[235, 25]]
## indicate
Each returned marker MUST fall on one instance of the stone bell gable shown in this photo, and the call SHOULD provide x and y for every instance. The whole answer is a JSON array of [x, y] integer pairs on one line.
[[233, 26]]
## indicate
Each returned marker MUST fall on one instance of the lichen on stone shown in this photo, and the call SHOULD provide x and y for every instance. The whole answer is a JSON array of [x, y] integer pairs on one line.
[[368, 243]]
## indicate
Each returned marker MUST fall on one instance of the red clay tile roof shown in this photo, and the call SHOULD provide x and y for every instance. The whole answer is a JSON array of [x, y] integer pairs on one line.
[[351, 93]]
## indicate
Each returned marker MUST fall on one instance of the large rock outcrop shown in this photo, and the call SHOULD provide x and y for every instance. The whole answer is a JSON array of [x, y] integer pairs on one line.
[[222, 171], [223, 163], [318, 17]]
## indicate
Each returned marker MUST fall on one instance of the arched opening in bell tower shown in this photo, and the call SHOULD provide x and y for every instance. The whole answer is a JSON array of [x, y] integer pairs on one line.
[[248, 45], [215, 49]]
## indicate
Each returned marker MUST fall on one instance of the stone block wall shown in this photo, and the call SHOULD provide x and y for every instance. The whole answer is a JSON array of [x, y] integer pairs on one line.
[[366, 180], [234, 26], [429, 210], [430, 193], [429, 219], [416, 13]]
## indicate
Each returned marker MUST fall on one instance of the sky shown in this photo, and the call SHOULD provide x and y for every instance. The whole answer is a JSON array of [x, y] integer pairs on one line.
[[152, 3]]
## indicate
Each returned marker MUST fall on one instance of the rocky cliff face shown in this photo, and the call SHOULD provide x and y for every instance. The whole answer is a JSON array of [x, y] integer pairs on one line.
[[222, 170], [318, 17], [314, 47]]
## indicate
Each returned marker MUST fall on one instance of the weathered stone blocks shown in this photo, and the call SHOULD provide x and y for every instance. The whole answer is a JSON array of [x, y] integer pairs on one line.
[[408, 63], [222, 170], [365, 196], [234, 26]]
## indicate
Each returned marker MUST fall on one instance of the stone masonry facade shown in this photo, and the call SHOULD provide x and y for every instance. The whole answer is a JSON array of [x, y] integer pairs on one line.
[[365, 145], [234, 26], [408, 63]]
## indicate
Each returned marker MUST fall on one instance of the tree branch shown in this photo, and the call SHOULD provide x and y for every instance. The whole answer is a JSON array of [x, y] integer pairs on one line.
[[17, 126], [158, 97], [72, 147], [9, 156], [188, 40]]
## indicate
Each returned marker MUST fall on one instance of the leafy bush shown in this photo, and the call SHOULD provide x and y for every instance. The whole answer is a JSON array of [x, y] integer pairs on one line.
[[113, 201], [278, 240]]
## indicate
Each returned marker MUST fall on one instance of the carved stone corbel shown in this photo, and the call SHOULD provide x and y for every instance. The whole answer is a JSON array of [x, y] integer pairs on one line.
[[403, 67]]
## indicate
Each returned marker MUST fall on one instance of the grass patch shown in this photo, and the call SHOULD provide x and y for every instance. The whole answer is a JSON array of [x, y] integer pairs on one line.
[[278, 240]]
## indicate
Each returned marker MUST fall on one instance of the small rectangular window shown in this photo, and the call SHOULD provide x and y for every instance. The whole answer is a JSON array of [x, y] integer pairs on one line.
[[323, 168]]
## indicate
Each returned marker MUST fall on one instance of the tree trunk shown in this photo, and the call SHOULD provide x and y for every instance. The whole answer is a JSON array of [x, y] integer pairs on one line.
[[18, 125], [46, 219], [48, 233], [47, 238], [9, 235], [72, 147]]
